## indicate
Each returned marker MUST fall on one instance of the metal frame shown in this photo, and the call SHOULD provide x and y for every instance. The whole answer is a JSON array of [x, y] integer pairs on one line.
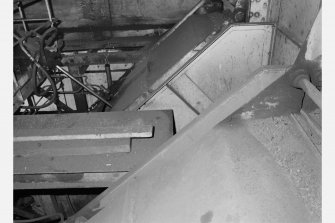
[[199, 95], [217, 112], [182, 64], [85, 163]]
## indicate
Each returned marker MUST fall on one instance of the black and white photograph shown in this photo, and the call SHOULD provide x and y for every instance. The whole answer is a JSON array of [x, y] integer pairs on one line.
[[167, 111]]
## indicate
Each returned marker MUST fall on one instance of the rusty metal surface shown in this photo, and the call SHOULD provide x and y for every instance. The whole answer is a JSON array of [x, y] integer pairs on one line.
[[225, 173], [140, 147], [309, 130]]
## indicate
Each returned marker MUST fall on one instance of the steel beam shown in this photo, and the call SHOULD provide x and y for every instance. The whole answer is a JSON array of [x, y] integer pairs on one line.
[[68, 180], [101, 58], [113, 43], [60, 134], [84, 156], [80, 99], [71, 147], [182, 144]]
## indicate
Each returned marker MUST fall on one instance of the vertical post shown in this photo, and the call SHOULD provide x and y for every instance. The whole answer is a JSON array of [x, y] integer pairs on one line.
[[49, 10], [19, 5], [109, 76], [80, 99]]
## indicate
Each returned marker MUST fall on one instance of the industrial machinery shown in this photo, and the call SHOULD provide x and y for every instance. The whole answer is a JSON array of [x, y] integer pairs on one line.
[[167, 111]]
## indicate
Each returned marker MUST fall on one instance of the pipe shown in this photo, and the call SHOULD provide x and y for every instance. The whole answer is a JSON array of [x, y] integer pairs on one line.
[[109, 76], [311, 91], [22, 16], [83, 85], [30, 20], [49, 10], [58, 215], [300, 79]]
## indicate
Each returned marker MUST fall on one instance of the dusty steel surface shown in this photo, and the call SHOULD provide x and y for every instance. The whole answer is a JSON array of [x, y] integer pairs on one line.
[[158, 61], [285, 51], [212, 73], [236, 180], [295, 153], [167, 166], [140, 147], [183, 112], [58, 148], [217, 69]]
